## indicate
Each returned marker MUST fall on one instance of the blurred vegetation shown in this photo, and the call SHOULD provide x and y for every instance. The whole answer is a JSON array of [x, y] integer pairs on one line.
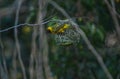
[[66, 62]]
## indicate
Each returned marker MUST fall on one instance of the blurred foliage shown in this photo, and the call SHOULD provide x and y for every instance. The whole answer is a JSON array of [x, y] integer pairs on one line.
[[66, 62]]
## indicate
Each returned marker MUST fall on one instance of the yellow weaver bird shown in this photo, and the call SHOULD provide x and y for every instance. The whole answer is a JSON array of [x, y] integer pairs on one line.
[[58, 29], [64, 33]]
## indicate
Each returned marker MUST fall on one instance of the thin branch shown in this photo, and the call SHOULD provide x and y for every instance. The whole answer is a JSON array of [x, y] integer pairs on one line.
[[17, 40], [14, 65], [113, 5], [3, 75], [43, 40], [16, 26], [25, 24], [3, 56], [91, 48], [113, 8], [115, 20], [33, 52], [39, 61], [3, 70], [59, 8]]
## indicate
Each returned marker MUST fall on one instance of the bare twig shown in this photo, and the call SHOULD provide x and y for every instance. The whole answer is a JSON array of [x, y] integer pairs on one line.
[[43, 40], [3, 70], [17, 40], [115, 20], [113, 8], [113, 5], [33, 52], [3, 56], [3, 74], [14, 71], [25, 24], [39, 62], [16, 26], [59, 8], [91, 48]]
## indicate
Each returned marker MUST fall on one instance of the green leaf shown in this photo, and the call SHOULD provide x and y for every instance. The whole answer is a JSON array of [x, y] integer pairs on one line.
[[100, 34], [93, 29]]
